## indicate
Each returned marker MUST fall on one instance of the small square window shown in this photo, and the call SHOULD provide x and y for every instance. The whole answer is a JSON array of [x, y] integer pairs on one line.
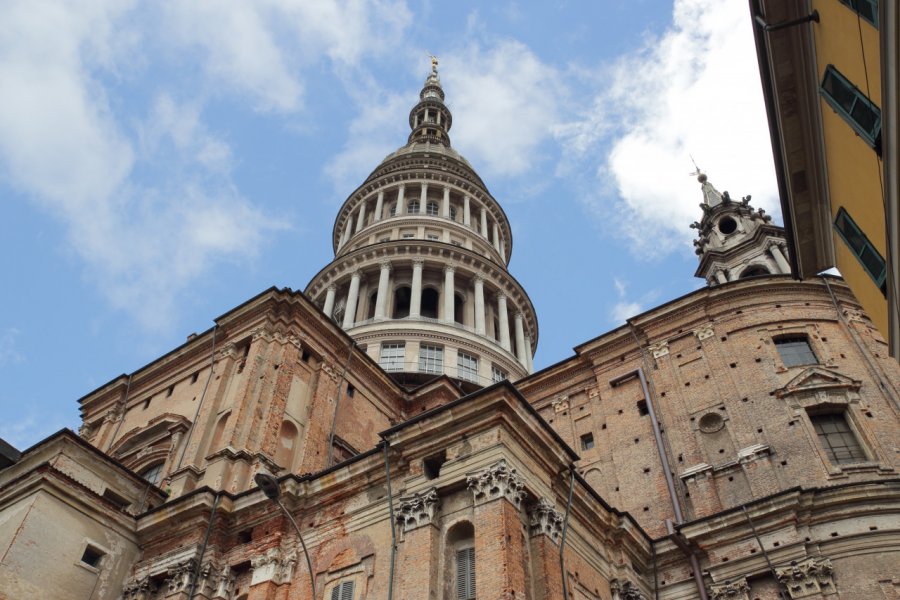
[[466, 367], [92, 556], [642, 408], [392, 357], [587, 441], [795, 351], [351, 391], [498, 374], [431, 359]]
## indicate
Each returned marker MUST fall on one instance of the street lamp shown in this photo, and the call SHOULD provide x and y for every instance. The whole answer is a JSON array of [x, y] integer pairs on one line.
[[269, 486]]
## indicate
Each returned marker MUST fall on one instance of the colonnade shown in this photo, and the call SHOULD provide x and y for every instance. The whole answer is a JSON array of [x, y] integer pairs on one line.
[[357, 220], [775, 249], [448, 293]]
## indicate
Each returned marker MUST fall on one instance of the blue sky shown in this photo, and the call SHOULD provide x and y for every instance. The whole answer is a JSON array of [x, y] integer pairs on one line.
[[162, 162]]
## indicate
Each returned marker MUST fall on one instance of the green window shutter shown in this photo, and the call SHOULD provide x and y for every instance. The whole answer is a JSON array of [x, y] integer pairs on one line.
[[854, 106], [347, 590], [865, 252], [465, 574]]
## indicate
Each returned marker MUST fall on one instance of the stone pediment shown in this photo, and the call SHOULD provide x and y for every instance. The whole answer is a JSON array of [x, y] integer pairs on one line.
[[815, 379], [161, 427]]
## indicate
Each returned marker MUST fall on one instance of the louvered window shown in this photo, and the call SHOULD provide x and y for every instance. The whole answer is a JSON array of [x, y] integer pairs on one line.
[[465, 574], [342, 591]]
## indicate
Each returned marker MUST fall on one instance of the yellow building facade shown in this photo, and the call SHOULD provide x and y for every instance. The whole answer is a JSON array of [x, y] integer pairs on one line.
[[828, 70]]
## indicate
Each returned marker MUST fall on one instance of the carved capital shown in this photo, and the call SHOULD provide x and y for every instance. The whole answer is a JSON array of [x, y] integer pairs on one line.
[[139, 588], [418, 263], [86, 431], [332, 287], [385, 265], [275, 565], [179, 576], [705, 331], [449, 269], [622, 589], [546, 520], [417, 510], [478, 277], [806, 578], [497, 481], [330, 370], [731, 590], [659, 349], [229, 350]]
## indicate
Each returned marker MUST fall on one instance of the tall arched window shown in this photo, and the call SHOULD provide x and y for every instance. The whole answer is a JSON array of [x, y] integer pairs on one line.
[[153, 473], [287, 436], [392, 210], [401, 302], [430, 303], [412, 206], [453, 212], [459, 561], [431, 209], [373, 298], [459, 308]]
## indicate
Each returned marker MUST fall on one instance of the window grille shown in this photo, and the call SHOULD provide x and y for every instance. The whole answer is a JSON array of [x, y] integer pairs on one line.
[[860, 112], [865, 252], [432, 236], [795, 351], [453, 213], [412, 206], [466, 367], [431, 359], [498, 374], [342, 591], [393, 210], [431, 209], [837, 439], [153, 473], [465, 574], [392, 356]]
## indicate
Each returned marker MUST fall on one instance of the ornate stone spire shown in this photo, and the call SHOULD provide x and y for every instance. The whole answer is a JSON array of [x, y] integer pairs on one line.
[[430, 119]]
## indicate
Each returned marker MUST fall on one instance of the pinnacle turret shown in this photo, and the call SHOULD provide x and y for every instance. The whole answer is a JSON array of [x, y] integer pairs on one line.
[[430, 119]]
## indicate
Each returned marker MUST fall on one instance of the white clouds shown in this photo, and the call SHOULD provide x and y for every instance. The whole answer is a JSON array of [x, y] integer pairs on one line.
[[63, 146], [505, 104], [259, 48], [9, 353], [694, 91], [624, 309]]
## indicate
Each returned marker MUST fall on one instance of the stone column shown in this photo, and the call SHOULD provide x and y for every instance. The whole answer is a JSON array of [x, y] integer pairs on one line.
[[467, 214], [449, 293], [423, 198], [381, 298], [720, 276], [780, 259], [348, 230], [545, 528], [499, 545], [503, 318], [528, 355], [496, 232], [329, 300], [479, 304], [401, 201], [379, 206], [445, 209], [520, 338], [484, 229], [416, 516], [361, 219], [352, 297], [502, 247], [415, 301]]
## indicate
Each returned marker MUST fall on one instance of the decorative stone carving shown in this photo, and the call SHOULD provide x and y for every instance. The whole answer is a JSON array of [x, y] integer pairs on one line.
[[86, 431], [330, 370], [731, 590], [141, 588], [625, 590], [417, 510], [275, 565], [659, 349], [179, 576], [229, 350], [560, 403], [810, 577], [546, 520], [497, 481], [706, 331]]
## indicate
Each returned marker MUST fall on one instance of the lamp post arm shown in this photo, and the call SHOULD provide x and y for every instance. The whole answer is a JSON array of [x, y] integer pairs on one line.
[[312, 574]]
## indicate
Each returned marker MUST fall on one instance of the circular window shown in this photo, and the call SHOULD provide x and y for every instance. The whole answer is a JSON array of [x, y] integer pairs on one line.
[[711, 422], [727, 225]]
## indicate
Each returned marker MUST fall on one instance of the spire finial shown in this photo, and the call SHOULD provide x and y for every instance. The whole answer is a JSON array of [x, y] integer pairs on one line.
[[434, 63], [698, 172]]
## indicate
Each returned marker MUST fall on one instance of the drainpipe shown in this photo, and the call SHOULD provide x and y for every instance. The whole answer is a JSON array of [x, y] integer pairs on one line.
[[562, 541], [124, 410], [212, 516], [187, 438], [337, 404], [667, 471], [387, 471]]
